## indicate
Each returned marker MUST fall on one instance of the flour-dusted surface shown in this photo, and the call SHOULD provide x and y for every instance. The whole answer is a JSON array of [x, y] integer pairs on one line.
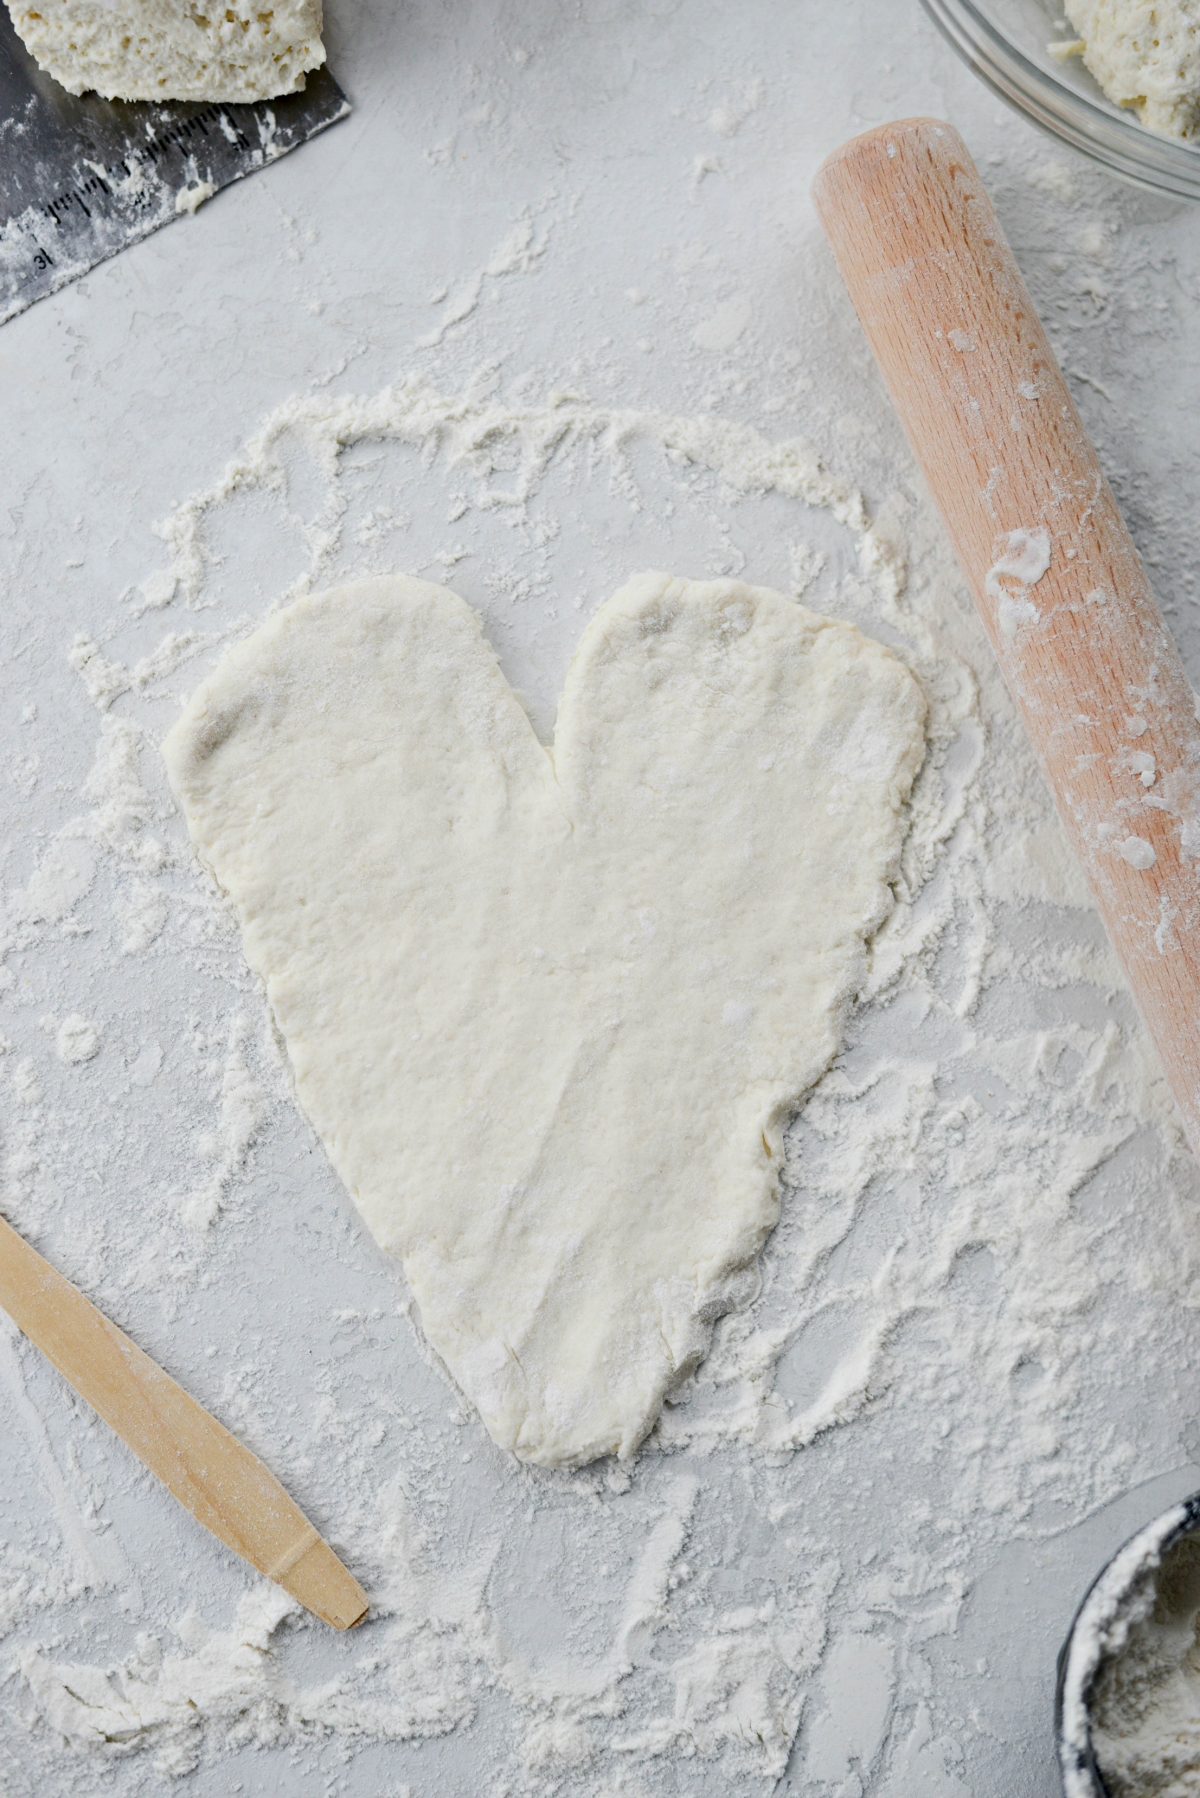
[[600, 334], [550, 1008]]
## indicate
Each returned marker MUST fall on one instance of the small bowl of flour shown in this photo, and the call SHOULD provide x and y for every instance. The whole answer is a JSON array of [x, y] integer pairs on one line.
[[1129, 1673]]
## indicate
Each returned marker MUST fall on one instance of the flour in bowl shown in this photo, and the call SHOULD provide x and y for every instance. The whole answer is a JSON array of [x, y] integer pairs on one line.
[[1146, 1709]]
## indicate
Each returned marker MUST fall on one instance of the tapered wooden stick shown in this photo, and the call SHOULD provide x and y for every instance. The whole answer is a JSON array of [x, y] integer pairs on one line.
[[1062, 591], [221, 1483]]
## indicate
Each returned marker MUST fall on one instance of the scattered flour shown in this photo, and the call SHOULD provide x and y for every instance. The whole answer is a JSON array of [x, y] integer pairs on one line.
[[77, 1039], [731, 112], [240, 1116], [518, 253]]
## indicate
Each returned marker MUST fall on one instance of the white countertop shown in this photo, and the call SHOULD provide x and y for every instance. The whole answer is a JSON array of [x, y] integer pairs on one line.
[[847, 1565]]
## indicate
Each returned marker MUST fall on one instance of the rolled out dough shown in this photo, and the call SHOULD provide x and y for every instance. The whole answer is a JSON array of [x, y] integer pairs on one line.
[[549, 1010]]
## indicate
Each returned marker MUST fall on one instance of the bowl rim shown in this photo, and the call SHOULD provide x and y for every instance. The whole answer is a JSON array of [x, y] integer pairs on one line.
[[1115, 140], [1086, 1647]]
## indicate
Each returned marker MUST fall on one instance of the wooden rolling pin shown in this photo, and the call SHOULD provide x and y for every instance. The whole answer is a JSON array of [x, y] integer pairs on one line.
[[222, 1484], [1061, 588]]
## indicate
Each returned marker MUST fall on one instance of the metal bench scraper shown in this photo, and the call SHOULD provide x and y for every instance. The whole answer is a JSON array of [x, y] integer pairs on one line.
[[82, 178]]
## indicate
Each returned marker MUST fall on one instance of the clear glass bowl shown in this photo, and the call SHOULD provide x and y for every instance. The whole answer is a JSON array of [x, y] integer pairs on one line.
[[1006, 43]]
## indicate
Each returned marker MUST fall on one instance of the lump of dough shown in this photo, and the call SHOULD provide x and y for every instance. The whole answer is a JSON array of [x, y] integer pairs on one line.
[[549, 1009], [1146, 55], [173, 49]]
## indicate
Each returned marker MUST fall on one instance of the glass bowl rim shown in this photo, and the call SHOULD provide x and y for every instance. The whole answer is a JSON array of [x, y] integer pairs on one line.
[[1116, 141]]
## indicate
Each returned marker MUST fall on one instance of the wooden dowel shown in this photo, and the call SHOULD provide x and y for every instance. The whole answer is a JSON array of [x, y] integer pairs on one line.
[[220, 1482], [1061, 589]]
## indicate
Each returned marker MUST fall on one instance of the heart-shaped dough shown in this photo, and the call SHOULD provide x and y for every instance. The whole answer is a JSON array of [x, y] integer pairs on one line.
[[549, 1010]]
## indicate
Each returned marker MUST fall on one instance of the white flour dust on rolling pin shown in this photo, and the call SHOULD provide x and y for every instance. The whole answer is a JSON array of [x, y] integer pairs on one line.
[[1060, 587], [1023, 558]]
